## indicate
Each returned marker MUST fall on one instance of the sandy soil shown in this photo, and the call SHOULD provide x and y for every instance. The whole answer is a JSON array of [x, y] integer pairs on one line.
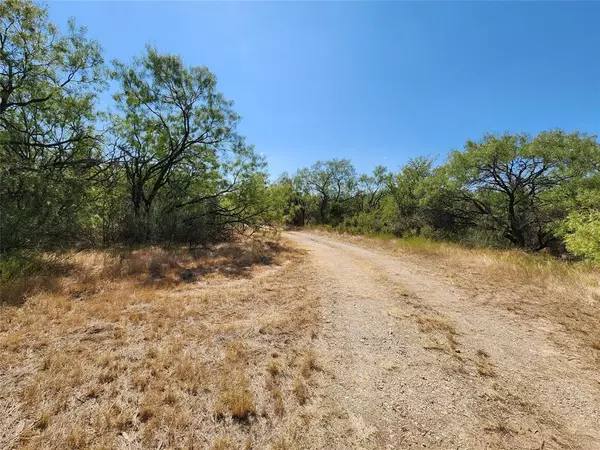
[[411, 361]]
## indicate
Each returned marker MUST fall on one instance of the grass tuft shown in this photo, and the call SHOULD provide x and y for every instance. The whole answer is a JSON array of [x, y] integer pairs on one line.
[[483, 364], [236, 399], [43, 421], [301, 391]]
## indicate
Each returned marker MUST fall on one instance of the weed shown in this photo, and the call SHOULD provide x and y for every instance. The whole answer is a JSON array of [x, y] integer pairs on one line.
[[236, 399], [483, 365], [274, 367], [278, 403], [499, 427], [43, 421], [222, 443], [308, 364], [301, 391]]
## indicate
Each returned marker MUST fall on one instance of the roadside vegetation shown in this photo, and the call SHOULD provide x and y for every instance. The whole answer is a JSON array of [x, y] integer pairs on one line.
[[162, 164], [512, 217], [121, 354], [535, 193], [162, 167], [146, 299]]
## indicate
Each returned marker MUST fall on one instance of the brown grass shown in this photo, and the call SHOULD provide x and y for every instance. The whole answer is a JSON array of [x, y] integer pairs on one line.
[[309, 364], [436, 327], [498, 427], [236, 399], [435, 323], [483, 364], [301, 391], [81, 274], [139, 358]]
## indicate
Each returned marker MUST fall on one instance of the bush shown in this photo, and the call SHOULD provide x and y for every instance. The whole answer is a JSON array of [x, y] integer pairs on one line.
[[581, 233]]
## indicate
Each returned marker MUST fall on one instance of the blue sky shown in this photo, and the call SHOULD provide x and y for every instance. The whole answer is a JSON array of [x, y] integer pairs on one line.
[[376, 82]]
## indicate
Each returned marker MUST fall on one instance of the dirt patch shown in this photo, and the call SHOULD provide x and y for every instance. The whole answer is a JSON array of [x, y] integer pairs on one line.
[[536, 286]]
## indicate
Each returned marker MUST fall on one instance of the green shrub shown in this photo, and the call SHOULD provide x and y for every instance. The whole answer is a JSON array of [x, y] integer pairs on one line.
[[581, 234]]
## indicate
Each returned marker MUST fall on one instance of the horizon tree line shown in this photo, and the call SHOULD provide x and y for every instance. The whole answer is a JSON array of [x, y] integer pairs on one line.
[[166, 165]]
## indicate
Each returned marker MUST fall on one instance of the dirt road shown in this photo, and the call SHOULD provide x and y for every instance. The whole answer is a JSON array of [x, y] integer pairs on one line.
[[410, 362]]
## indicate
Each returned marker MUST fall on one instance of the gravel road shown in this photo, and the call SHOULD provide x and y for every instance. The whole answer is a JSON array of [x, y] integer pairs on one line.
[[409, 361]]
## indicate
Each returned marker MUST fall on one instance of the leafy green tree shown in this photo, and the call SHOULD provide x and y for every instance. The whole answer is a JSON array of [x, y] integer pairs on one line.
[[241, 198], [581, 232], [189, 175], [289, 200], [580, 229], [49, 149], [333, 183], [372, 188], [364, 213], [508, 181], [47, 85], [445, 211], [406, 188], [171, 116]]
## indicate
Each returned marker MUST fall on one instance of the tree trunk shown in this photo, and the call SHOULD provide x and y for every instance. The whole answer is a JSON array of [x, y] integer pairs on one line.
[[515, 229]]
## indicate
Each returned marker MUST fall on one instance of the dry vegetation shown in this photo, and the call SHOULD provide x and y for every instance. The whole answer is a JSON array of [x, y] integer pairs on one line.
[[442, 333], [534, 285], [114, 350], [84, 273]]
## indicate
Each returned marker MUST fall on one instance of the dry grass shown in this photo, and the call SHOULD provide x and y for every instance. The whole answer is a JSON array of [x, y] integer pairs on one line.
[[301, 391], [535, 285], [441, 331], [122, 353], [436, 323], [236, 399], [498, 427], [483, 364], [85, 273]]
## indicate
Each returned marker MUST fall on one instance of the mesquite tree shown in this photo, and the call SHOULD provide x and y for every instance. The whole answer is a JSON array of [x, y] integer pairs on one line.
[[49, 148]]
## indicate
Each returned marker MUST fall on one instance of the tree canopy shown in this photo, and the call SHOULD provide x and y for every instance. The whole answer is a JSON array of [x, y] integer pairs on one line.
[[165, 163], [505, 190]]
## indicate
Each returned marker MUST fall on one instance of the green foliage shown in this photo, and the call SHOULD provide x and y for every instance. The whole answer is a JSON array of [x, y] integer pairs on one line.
[[407, 188], [326, 189], [172, 124], [504, 190], [581, 232], [507, 184], [48, 146], [19, 268], [170, 166], [581, 228]]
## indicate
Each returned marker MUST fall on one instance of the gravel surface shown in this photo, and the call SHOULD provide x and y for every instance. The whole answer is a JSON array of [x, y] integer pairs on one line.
[[409, 361]]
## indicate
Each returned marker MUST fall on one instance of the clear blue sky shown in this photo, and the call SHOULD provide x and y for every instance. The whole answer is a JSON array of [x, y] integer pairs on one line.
[[374, 82]]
